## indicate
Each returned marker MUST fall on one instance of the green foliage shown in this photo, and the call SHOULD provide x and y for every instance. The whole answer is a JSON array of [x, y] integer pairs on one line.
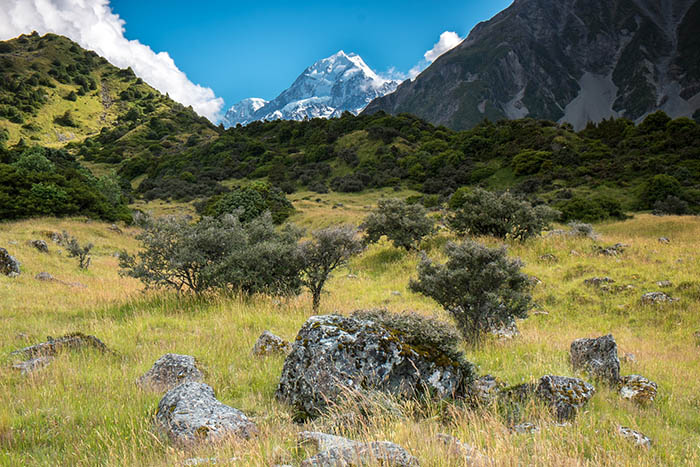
[[403, 223], [481, 212], [531, 162], [659, 188], [66, 119], [672, 205], [216, 254], [479, 286], [33, 159], [594, 208], [250, 202], [327, 250]]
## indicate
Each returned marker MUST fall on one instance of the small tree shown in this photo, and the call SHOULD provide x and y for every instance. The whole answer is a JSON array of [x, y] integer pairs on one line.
[[327, 250], [479, 286], [75, 250], [402, 223], [481, 212]]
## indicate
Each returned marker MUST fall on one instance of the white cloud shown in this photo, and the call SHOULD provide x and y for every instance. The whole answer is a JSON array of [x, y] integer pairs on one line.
[[448, 41], [93, 25]]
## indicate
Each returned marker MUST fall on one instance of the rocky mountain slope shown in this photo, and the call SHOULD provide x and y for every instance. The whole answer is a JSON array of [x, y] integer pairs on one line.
[[329, 87], [564, 60]]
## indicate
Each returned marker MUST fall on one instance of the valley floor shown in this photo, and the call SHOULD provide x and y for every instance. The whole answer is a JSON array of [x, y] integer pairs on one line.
[[85, 409]]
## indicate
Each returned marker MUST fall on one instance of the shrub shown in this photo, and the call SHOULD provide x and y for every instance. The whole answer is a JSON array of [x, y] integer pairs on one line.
[[216, 253], [659, 188], [479, 286], [75, 250], [65, 120], [591, 209], [402, 223], [579, 229], [481, 212], [33, 159], [327, 250], [250, 202], [672, 205]]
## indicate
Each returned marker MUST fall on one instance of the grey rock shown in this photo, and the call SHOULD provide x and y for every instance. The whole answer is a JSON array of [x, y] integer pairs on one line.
[[44, 276], [654, 298], [637, 388], [549, 258], [485, 389], [169, 371], [664, 240], [565, 395], [664, 284], [468, 453], [332, 354], [598, 357], [614, 250], [629, 358], [32, 365], [114, 228], [525, 428], [40, 245], [190, 414], [506, 331], [599, 282], [342, 452], [207, 461], [73, 341], [352, 276], [270, 344], [9, 266], [636, 437]]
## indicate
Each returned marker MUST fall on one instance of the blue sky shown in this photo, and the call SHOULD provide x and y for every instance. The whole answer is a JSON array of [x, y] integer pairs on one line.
[[257, 48]]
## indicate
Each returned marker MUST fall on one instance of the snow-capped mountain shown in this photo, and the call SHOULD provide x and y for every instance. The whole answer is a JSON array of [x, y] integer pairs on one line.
[[329, 87]]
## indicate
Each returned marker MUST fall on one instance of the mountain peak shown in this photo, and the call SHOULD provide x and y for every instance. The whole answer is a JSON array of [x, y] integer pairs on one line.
[[335, 84]]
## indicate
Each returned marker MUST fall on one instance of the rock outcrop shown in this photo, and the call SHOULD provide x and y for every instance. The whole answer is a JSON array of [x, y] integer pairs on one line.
[[565, 395], [637, 388], [598, 357], [169, 371], [270, 344], [190, 414], [636, 437], [332, 353], [655, 298], [40, 245], [73, 341]]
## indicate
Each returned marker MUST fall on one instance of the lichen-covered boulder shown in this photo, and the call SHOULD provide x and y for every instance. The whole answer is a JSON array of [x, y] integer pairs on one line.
[[636, 437], [73, 341], [565, 395], [9, 266], [44, 277], [190, 413], [598, 357], [169, 371], [599, 282], [40, 245], [342, 452], [638, 389], [270, 344], [34, 364], [485, 389], [654, 298], [333, 353]]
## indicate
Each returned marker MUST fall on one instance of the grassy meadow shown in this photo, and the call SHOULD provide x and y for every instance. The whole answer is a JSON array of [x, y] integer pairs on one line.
[[85, 409]]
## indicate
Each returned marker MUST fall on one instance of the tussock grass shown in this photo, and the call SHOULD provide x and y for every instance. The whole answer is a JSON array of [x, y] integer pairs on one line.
[[84, 409]]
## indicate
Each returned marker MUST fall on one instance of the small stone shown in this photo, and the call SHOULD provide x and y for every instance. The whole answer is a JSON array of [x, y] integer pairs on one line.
[[73, 341], [636, 437], [664, 240], [598, 357], [352, 276], [467, 452], [599, 282], [653, 298], [534, 280], [269, 344], [9, 266], [32, 365], [114, 228], [540, 312], [506, 331], [614, 250], [190, 414], [565, 395], [629, 358], [549, 258], [338, 451], [525, 427], [44, 276], [664, 284], [396, 293], [485, 389], [40, 245], [638, 389], [169, 371], [574, 253]]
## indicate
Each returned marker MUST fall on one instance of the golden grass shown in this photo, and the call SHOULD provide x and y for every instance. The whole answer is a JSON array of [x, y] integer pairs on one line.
[[85, 409]]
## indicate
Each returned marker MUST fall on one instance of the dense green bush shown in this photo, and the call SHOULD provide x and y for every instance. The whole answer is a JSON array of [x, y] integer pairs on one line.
[[479, 286], [659, 188], [672, 205], [216, 254], [403, 223], [481, 212], [250, 202], [593, 208]]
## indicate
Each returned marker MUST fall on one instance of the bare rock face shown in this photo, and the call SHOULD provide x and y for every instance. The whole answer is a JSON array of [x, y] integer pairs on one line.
[[190, 414], [636, 437], [73, 341], [333, 353], [638, 389], [270, 344], [598, 357], [169, 371], [9, 266], [40, 245], [337, 451], [565, 395]]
